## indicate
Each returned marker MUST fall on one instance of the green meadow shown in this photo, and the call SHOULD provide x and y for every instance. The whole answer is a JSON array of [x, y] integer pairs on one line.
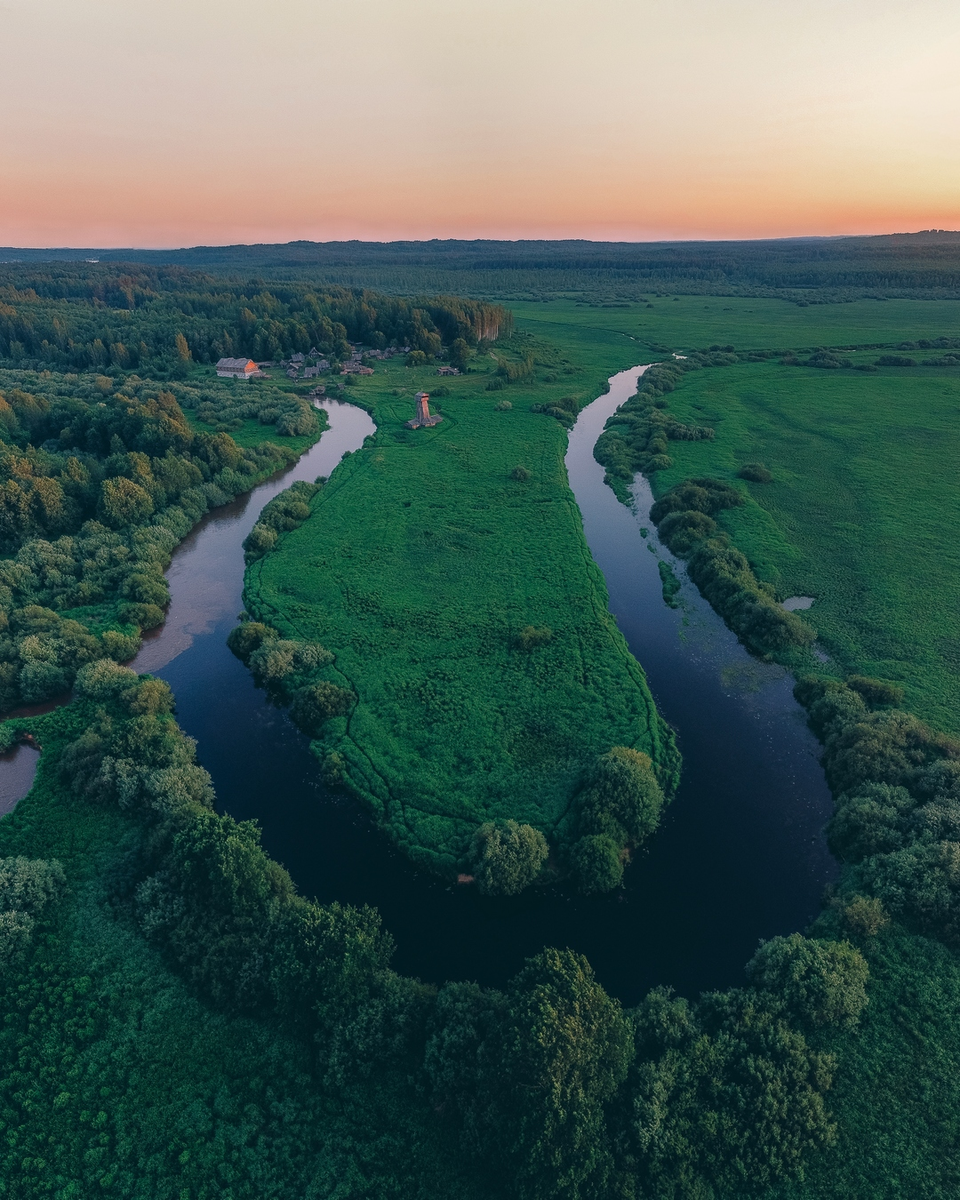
[[686, 322], [859, 511], [427, 556]]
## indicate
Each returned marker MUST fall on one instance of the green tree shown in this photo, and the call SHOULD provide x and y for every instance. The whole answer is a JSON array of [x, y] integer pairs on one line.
[[564, 1049], [507, 856], [823, 982]]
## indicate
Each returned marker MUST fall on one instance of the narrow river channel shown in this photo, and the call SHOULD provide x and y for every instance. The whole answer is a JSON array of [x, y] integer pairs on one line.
[[740, 855]]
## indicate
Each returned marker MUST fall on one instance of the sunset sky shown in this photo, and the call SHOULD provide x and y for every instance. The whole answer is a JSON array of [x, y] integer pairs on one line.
[[149, 123]]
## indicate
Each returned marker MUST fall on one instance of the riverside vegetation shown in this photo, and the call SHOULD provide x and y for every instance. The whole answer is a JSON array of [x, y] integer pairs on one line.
[[819, 472], [179, 1022]]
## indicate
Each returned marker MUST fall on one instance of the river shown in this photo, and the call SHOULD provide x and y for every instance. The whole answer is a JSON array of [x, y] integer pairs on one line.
[[740, 855]]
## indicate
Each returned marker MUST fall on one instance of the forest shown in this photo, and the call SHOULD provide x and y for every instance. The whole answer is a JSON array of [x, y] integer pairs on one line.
[[805, 269], [180, 1022]]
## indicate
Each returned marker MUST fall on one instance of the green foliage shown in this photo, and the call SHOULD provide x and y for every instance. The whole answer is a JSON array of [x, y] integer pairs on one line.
[[724, 1098], [596, 862], [532, 636], [755, 473], [284, 512], [506, 857], [823, 983], [565, 1048], [622, 797]]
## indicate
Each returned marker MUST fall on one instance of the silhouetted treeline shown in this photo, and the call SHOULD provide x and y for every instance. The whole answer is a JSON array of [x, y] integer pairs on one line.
[[926, 263]]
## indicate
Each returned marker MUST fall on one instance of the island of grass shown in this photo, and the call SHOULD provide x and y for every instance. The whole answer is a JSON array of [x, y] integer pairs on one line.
[[483, 684]]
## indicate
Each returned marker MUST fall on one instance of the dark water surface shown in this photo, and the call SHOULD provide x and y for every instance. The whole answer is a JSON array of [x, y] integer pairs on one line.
[[740, 855]]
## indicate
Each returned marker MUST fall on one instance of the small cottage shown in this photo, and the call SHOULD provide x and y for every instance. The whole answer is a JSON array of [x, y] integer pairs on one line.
[[447, 370], [237, 368]]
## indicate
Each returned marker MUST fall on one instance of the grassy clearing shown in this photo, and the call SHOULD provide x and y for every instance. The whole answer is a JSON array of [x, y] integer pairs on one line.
[[857, 515], [426, 558]]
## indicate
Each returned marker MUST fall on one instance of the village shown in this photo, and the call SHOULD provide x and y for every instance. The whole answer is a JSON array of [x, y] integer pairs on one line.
[[313, 364]]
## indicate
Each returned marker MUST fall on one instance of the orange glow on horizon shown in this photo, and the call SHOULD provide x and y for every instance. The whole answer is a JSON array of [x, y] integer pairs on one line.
[[173, 124]]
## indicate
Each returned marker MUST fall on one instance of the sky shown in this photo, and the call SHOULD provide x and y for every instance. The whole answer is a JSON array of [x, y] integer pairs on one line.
[[181, 122]]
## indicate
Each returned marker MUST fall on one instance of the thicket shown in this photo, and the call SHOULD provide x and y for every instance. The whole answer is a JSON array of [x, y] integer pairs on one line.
[[284, 512], [99, 481]]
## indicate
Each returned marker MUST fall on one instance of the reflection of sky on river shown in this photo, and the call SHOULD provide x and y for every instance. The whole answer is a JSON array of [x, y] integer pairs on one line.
[[17, 769], [201, 600]]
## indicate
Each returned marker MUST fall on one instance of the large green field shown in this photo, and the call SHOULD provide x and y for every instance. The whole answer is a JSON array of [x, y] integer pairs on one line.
[[685, 322], [858, 515], [422, 563]]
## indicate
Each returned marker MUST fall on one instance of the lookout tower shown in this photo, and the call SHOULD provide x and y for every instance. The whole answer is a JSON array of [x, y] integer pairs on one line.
[[423, 416]]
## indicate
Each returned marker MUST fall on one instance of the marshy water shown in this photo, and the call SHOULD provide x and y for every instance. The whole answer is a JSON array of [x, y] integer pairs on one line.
[[740, 855]]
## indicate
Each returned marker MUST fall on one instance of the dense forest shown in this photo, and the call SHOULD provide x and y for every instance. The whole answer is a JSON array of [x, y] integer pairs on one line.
[[162, 318], [179, 1022], [919, 264]]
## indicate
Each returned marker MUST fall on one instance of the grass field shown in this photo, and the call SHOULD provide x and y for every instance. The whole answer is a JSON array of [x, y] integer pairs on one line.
[[688, 322], [423, 561], [859, 513]]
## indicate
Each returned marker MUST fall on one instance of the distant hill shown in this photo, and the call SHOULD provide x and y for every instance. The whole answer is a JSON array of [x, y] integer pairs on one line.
[[922, 264]]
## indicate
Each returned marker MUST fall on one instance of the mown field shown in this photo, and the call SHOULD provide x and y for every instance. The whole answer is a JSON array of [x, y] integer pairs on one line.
[[860, 510], [424, 560]]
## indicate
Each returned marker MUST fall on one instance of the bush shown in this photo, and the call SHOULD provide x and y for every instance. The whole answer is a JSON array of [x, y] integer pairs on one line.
[[756, 473], [532, 636], [896, 360], [596, 862], [622, 800], [823, 982], [520, 474], [248, 637], [506, 857], [878, 693], [318, 702]]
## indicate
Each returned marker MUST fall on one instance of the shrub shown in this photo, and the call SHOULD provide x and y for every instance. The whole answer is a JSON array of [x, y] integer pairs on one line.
[[259, 541], [896, 360], [865, 916], [596, 863], [318, 702], [503, 406], [823, 982], [248, 637], [623, 799], [532, 636], [878, 693], [520, 474], [506, 857], [756, 473], [682, 530]]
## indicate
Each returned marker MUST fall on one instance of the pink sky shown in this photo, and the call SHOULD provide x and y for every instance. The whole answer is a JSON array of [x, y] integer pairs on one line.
[[136, 122]]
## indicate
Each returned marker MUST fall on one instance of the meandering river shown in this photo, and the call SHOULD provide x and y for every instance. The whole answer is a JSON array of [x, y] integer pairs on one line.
[[740, 855]]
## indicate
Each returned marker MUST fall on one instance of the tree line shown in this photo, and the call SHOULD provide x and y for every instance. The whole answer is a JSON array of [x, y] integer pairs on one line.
[[161, 319]]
